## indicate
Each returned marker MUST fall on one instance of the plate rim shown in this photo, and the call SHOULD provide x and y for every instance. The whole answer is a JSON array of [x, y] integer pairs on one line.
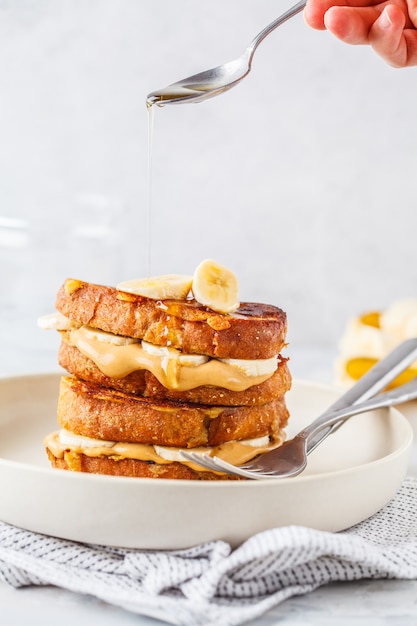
[[193, 514], [401, 449]]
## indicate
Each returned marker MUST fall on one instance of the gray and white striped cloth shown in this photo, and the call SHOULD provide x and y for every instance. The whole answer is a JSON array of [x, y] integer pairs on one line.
[[210, 584]]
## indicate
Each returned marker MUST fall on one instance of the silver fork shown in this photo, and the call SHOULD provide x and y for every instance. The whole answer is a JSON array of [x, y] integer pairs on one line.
[[291, 458]]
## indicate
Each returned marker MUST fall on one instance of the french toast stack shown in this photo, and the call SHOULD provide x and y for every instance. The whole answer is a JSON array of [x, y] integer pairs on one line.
[[164, 364]]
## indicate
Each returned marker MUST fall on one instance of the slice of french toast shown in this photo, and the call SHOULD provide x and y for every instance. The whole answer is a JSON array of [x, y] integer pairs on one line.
[[133, 468], [253, 331], [101, 413], [144, 383]]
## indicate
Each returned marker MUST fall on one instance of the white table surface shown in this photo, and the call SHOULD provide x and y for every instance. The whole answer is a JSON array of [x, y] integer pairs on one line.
[[363, 603]]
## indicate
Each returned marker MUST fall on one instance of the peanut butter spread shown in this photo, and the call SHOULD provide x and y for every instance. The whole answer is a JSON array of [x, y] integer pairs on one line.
[[235, 452], [117, 361]]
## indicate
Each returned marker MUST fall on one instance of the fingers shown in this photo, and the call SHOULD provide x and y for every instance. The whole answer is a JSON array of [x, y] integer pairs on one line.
[[386, 27], [384, 31], [316, 9], [398, 47], [351, 25]]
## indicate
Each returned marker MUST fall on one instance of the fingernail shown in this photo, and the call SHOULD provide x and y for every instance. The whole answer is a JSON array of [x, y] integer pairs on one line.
[[384, 20]]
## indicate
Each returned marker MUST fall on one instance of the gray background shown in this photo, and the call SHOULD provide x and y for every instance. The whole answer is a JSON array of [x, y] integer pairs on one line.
[[302, 179]]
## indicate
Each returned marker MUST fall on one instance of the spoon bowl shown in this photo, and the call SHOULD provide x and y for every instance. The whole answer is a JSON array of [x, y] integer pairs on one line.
[[218, 79]]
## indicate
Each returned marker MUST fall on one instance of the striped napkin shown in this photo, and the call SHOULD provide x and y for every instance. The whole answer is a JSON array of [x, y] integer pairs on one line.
[[211, 584]]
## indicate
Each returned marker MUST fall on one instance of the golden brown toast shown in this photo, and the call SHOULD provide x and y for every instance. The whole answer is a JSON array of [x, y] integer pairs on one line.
[[144, 383], [101, 413], [121, 420], [253, 331], [77, 462]]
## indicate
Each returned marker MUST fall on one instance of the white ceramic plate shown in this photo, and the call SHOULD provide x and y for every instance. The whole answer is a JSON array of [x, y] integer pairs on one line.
[[350, 476]]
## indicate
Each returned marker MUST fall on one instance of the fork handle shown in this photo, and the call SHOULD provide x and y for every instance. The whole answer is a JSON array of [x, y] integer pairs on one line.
[[402, 394], [384, 372]]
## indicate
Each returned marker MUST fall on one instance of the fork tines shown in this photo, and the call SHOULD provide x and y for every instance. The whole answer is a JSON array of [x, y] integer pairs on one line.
[[218, 465]]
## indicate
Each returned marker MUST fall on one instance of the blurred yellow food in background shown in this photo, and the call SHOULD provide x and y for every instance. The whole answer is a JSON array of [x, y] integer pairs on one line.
[[371, 336]]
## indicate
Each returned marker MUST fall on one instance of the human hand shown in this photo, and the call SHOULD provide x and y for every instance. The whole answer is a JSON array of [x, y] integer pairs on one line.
[[389, 27]]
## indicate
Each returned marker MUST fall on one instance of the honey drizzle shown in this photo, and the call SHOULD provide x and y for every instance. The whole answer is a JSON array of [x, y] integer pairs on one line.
[[151, 114]]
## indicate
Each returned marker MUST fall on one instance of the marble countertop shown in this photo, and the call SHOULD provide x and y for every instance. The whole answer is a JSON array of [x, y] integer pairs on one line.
[[367, 603]]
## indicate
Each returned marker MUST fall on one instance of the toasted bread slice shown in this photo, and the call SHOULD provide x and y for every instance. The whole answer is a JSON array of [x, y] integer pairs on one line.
[[78, 462], [143, 383], [102, 413], [253, 331]]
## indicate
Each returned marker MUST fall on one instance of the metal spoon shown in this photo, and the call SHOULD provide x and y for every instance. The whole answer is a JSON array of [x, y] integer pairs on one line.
[[215, 81]]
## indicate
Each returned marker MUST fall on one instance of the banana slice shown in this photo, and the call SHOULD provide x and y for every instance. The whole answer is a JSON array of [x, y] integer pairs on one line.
[[174, 454], [216, 286], [103, 337], [161, 351], [56, 321], [257, 442], [169, 454], [188, 360], [192, 360], [255, 367], [167, 287], [68, 438]]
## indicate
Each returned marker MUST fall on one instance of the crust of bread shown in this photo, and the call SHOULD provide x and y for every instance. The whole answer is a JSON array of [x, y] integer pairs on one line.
[[253, 331], [101, 413], [143, 383], [77, 462]]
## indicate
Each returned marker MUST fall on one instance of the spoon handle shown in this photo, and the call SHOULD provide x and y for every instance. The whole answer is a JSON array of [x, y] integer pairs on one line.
[[297, 8]]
